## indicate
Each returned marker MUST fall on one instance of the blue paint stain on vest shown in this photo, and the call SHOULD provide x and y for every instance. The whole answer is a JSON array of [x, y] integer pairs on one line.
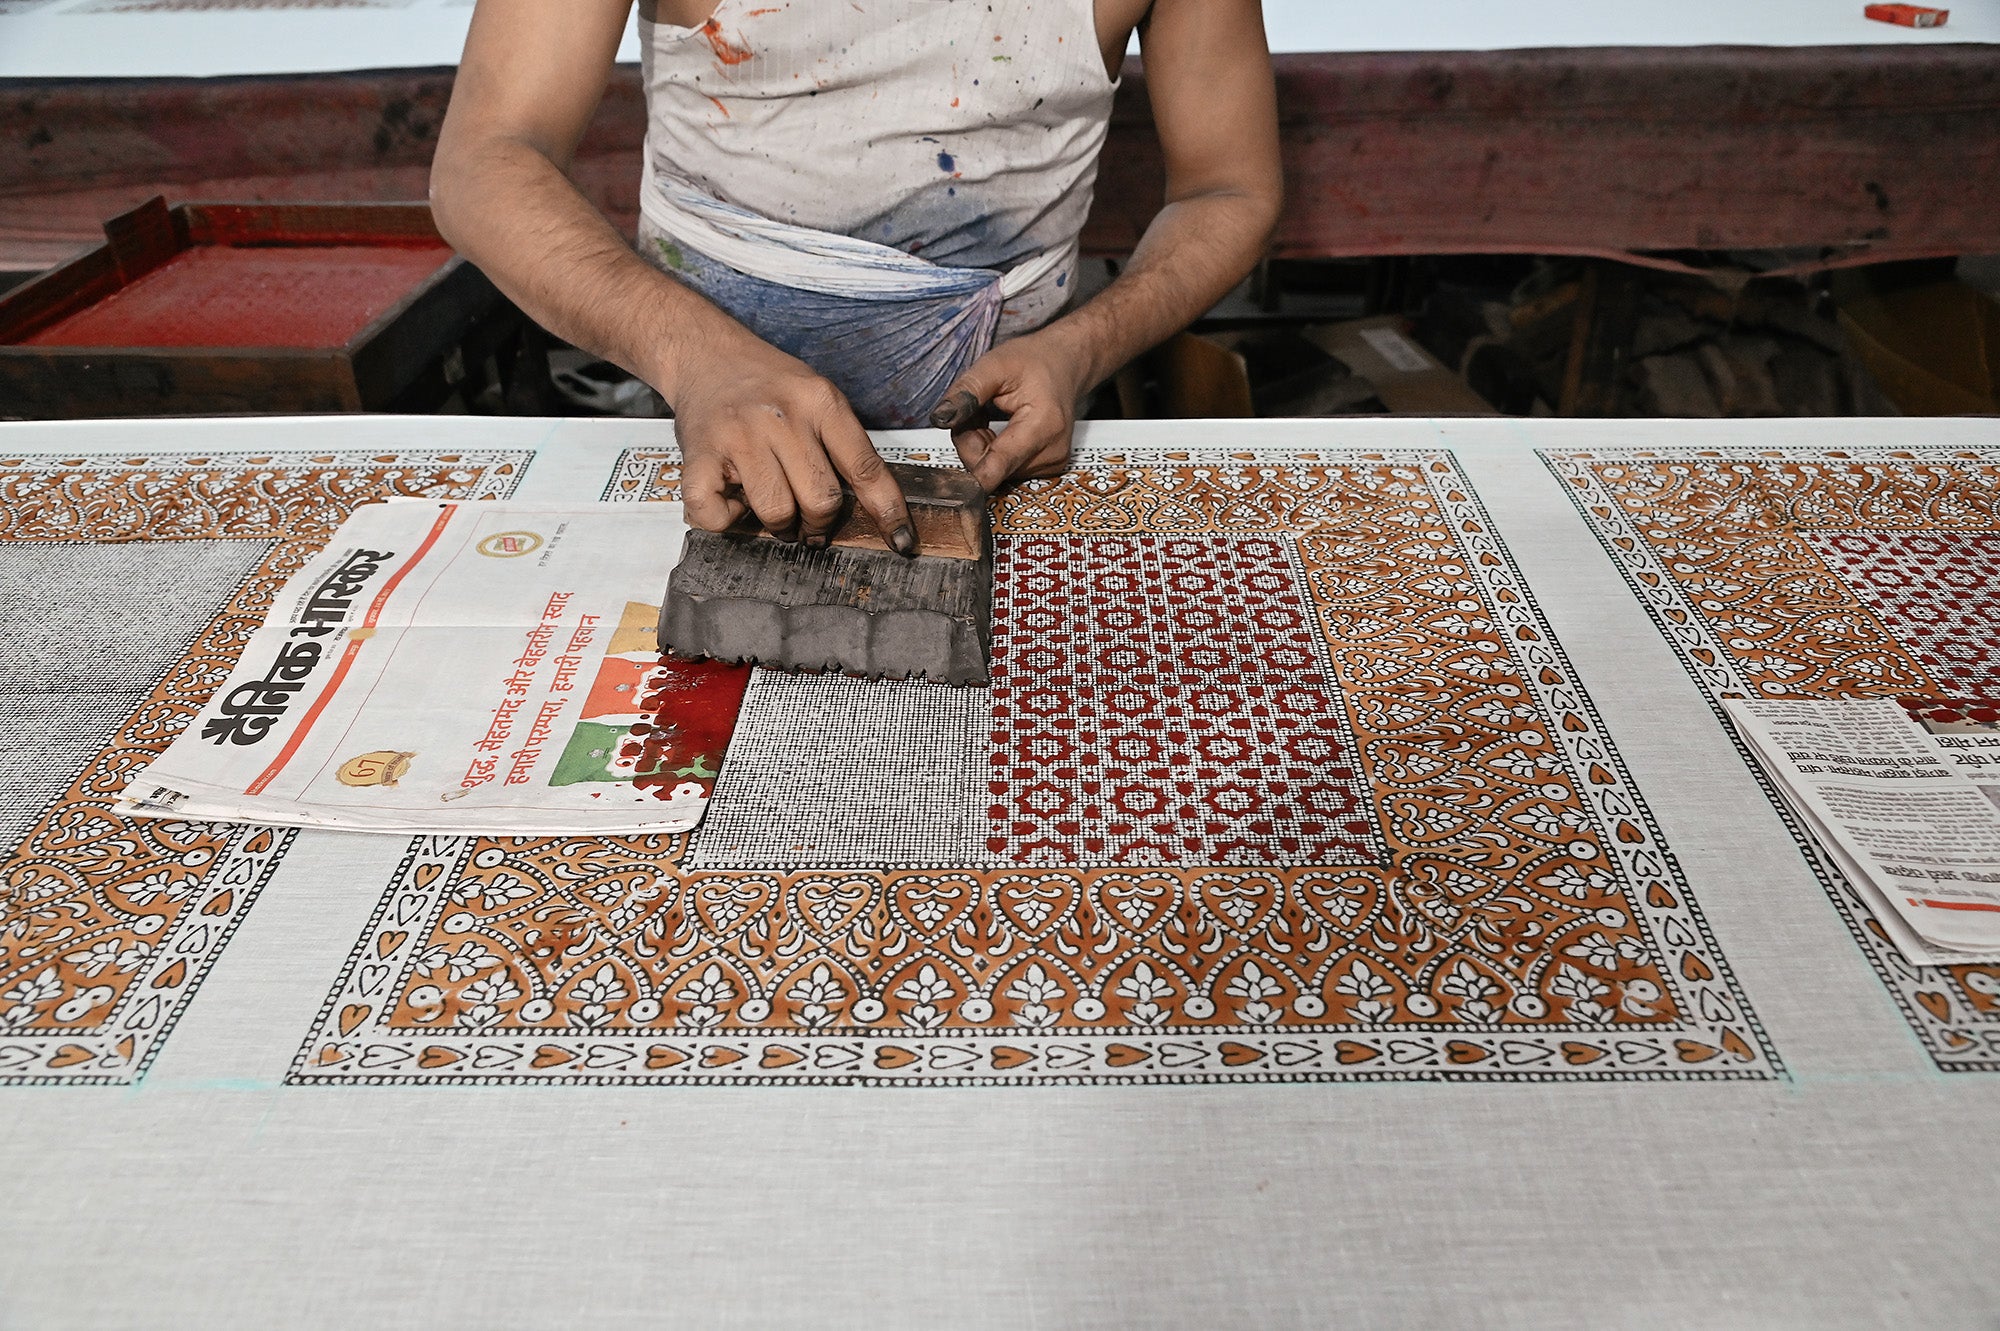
[[892, 359]]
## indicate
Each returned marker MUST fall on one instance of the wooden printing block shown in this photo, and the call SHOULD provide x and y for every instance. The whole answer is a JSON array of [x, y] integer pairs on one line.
[[856, 605]]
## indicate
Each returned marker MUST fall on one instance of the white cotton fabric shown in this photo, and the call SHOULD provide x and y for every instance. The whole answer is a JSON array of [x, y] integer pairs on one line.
[[1855, 1193]]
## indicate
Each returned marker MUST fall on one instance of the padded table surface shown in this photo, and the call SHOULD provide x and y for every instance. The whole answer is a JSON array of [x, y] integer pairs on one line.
[[1348, 904]]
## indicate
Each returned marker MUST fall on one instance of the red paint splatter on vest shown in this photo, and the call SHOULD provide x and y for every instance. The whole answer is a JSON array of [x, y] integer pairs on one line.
[[725, 51]]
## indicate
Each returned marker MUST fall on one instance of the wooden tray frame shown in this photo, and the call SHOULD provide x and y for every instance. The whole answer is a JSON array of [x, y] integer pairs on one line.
[[407, 358]]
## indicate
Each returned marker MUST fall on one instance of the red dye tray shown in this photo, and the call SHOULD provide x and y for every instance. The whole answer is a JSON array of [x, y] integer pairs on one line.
[[247, 307]]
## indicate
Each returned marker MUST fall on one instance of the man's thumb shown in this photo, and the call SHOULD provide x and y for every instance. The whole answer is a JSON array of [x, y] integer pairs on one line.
[[963, 407]]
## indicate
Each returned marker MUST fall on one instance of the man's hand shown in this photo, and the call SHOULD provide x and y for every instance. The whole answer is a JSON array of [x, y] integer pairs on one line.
[[760, 431], [1035, 382], [1208, 71]]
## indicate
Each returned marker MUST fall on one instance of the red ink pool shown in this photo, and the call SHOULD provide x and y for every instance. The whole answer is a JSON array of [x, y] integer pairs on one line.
[[314, 296]]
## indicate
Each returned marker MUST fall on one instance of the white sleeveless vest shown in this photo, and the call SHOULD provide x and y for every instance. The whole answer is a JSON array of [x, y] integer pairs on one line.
[[964, 132]]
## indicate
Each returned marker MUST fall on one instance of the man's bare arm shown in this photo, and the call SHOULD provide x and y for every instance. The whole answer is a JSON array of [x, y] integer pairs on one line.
[[525, 93], [757, 427], [1208, 72]]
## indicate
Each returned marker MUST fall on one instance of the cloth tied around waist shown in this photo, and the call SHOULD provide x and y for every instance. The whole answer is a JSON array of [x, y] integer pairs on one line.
[[891, 330]]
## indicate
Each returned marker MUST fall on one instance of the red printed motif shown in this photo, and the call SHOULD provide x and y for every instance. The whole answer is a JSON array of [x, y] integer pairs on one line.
[[1932, 591], [1160, 700]]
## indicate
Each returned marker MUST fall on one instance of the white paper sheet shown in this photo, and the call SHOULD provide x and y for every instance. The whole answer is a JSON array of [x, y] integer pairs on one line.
[[1904, 821]]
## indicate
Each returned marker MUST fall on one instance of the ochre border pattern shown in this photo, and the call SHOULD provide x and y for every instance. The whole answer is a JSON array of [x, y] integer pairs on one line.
[[1708, 540], [1527, 926], [108, 924]]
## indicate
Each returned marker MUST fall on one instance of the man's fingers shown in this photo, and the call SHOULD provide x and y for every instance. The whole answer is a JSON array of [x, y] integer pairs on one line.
[[705, 496], [969, 400], [1029, 436], [1051, 461], [957, 411], [768, 492], [993, 470], [815, 487], [974, 444], [874, 488]]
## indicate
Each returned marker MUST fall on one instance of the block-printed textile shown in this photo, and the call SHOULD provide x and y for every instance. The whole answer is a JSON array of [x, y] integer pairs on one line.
[[1155, 701], [1507, 910], [1933, 591], [1791, 574], [1163, 700], [108, 924], [825, 771]]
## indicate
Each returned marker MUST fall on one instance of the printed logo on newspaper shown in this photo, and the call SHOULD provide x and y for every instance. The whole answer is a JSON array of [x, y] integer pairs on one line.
[[384, 767], [249, 710], [510, 544]]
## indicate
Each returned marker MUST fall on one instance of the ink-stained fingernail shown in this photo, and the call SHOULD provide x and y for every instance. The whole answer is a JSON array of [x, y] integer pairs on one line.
[[956, 410], [904, 540], [819, 541]]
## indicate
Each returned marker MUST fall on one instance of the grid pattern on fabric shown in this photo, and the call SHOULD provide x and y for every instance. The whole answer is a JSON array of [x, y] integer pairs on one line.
[[830, 771], [1165, 700], [1932, 590], [92, 647]]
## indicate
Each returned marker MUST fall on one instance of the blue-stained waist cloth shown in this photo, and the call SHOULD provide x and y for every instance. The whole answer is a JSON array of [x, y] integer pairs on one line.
[[892, 355]]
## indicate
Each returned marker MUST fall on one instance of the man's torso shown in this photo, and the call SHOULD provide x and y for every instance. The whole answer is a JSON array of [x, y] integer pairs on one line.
[[1116, 20]]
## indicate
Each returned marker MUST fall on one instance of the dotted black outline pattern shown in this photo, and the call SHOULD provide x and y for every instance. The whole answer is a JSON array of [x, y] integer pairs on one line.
[[450, 856], [1889, 965], [826, 772]]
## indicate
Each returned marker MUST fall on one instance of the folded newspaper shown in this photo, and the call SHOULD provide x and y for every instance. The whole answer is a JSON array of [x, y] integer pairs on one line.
[[462, 667], [1903, 796]]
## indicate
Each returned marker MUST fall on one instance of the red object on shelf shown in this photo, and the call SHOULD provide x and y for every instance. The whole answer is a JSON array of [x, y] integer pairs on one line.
[[278, 296], [220, 307], [1909, 16]]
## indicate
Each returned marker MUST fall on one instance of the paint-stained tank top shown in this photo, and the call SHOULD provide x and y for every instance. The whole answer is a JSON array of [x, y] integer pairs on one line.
[[962, 131]]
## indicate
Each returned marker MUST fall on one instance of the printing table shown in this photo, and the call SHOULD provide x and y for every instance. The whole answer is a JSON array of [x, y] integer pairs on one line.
[[1349, 906]]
